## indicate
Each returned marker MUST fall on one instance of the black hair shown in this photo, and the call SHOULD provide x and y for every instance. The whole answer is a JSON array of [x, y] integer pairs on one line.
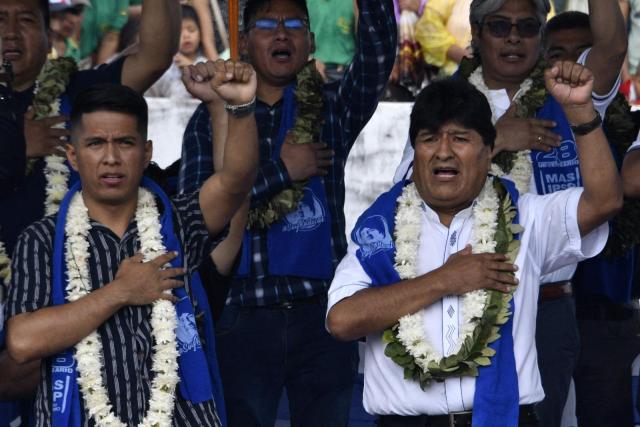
[[568, 21], [114, 98], [46, 15], [452, 100], [188, 12], [254, 6]]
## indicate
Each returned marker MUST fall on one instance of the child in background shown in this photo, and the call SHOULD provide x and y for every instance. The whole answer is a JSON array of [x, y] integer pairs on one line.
[[170, 84]]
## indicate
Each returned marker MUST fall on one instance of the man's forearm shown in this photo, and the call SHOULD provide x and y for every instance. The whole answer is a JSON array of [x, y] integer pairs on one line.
[[241, 155], [224, 192], [50, 330], [609, 43], [374, 309], [159, 40]]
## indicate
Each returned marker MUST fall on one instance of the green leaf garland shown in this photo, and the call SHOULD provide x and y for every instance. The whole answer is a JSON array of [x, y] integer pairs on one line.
[[305, 130]]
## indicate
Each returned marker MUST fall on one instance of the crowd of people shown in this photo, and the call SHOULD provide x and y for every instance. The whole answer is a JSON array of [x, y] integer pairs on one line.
[[491, 283]]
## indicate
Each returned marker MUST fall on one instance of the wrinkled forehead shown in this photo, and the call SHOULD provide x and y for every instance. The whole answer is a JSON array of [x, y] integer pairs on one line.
[[21, 6]]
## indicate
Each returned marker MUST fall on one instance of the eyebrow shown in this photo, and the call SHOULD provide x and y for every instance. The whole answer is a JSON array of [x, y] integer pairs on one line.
[[123, 138]]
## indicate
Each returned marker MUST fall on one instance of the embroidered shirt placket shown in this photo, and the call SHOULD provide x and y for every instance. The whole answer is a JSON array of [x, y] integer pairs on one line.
[[451, 321]]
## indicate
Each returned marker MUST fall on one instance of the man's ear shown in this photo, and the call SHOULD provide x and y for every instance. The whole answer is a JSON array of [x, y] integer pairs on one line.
[[72, 155], [148, 152], [312, 42], [475, 34]]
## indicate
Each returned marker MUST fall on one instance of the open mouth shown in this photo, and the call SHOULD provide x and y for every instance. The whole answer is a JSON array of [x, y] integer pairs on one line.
[[281, 54], [512, 56], [112, 179], [445, 173], [11, 54]]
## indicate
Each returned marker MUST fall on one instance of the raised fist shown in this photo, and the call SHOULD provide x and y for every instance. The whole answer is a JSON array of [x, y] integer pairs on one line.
[[570, 84], [229, 81]]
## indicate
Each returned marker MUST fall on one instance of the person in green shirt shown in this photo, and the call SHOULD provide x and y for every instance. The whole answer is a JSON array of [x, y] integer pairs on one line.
[[333, 23], [101, 29]]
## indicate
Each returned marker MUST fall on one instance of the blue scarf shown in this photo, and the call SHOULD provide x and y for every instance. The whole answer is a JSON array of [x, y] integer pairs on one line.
[[195, 383], [558, 169], [291, 240], [496, 399]]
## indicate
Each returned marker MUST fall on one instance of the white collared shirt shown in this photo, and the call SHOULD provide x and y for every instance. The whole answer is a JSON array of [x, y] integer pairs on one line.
[[500, 103], [551, 240]]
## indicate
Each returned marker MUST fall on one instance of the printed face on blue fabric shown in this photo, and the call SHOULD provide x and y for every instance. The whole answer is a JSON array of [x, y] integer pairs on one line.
[[25, 40], [110, 155], [450, 167], [509, 43], [278, 42]]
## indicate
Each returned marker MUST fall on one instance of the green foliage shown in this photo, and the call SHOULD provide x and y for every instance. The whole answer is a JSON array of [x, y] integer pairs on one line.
[[305, 130], [475, 350]]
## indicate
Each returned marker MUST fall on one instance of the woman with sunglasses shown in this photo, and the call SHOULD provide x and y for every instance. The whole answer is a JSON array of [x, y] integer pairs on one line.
[[535, 144]]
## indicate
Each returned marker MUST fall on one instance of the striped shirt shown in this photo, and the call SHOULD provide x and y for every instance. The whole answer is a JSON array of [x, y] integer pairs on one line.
[[348, 106], [126, 336]]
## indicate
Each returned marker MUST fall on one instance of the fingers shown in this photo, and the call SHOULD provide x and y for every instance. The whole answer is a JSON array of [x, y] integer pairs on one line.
[[169, 284], [541, 137], [52, 121], [168, 273], [30, 114], [163, 259], [137, 258]]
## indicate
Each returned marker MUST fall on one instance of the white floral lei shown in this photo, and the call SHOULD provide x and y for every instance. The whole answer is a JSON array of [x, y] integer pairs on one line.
[[522, 169], [163, 319], [407, 234]]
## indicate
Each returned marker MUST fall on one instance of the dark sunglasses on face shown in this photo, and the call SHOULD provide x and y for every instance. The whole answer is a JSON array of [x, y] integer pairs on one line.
[[270, 24], [527, 28]]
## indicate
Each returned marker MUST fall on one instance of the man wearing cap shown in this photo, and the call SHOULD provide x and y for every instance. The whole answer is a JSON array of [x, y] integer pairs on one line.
[[42, 92], [66, 21]]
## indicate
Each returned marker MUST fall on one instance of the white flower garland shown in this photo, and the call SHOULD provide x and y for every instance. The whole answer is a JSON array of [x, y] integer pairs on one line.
[[163, 320], [407, 234], [522, 168], [55, 170]]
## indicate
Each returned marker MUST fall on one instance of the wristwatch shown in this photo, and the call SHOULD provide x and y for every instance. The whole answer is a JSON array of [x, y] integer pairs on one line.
[[588, 127], [241, 110]]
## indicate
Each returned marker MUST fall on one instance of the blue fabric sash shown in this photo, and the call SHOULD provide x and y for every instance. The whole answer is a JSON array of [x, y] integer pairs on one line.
[[292, 240], [558, 169], [496, 399], [200, 295], [195, 383]]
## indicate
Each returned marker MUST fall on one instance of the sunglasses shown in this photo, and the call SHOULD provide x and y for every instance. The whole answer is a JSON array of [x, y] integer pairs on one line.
[[270, 24], [501, 28]]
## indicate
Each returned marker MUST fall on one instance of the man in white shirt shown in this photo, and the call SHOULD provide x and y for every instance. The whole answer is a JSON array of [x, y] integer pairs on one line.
[[508, 50], [453, 137]]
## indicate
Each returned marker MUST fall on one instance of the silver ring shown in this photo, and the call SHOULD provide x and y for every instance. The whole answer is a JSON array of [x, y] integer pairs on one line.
[[540, 138]]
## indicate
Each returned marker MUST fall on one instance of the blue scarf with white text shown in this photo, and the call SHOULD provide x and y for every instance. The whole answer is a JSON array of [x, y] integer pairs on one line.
[[293, 239], [193, 368]]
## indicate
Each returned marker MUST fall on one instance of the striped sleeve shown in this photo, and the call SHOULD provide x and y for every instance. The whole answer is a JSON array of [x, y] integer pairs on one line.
[[197, 152], [30, 287], [194, 236]]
